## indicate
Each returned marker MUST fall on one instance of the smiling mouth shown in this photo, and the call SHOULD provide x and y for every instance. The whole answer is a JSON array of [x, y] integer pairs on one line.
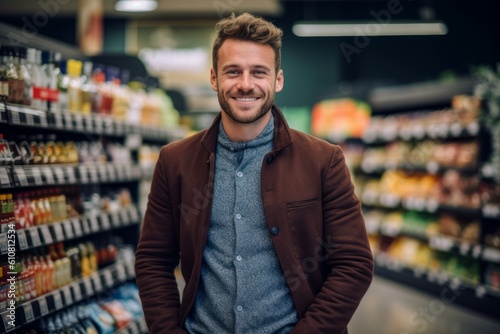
[[246, 99]]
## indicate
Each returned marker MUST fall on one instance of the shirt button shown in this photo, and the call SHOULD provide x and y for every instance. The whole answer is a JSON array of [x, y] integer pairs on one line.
[[275, 230], [239, 258], [239, 308], [240, 174], [238, 216]]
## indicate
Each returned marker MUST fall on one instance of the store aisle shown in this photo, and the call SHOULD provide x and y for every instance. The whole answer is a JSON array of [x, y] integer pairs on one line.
[[393, 308]]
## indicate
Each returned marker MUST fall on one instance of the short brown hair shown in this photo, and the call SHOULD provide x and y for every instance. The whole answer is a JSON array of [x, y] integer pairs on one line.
[[247, 27]]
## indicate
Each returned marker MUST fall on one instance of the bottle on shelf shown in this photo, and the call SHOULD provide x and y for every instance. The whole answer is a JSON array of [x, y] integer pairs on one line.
[[87, 87], [50, 65], [38, 92], [62, 85], [22, 72], [4, 79], [74, 68]]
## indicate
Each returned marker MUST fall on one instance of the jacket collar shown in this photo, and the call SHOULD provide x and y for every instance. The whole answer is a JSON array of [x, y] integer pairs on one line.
[[282, 135]]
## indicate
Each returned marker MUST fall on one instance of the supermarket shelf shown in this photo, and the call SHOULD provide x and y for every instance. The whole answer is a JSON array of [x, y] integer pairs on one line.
[[91, 124], [430, 168], [68, 295], [430, 205], [421, 95], [50, 175], [436, 132], [449, 289], [70, 229]]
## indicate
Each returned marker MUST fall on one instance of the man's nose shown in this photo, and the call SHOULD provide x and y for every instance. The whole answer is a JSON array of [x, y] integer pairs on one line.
[[245, 83]]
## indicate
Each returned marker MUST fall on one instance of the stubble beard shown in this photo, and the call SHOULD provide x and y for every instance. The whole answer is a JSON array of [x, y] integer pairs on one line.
[[264, 109]]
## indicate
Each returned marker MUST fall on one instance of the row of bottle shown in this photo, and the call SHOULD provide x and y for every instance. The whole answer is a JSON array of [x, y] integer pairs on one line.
[[58, 265], [51, 205], [37, 207], [45, 81], [38, 150]]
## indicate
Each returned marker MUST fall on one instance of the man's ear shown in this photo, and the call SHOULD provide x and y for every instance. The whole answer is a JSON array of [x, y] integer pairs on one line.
[[213, 79], [280, 81]]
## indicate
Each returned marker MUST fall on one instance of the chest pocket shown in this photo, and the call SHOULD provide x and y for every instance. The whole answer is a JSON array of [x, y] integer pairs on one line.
[[305, 222]]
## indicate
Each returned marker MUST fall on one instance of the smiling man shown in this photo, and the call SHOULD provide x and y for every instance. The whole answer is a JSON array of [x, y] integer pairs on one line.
[[262, 218]]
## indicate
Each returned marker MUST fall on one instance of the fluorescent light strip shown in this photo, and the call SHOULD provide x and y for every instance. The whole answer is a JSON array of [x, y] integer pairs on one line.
[[368, 29], [136, 5]]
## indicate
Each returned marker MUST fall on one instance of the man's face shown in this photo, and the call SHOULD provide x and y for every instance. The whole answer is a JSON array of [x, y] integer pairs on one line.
[[246, 80]]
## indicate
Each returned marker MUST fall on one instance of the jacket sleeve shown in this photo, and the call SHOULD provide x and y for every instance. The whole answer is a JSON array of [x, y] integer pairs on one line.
[[348, 258], [156, 257]]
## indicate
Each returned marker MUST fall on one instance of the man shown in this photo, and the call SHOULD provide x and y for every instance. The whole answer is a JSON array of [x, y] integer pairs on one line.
[[262, 218]]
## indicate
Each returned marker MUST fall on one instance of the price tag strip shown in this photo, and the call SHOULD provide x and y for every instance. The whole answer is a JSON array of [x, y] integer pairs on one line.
[[35, 236], [58, 232], [29, 315], [68, 229], [22, 240], [5, 177], [47, 236], [77, 227], [42, 304]]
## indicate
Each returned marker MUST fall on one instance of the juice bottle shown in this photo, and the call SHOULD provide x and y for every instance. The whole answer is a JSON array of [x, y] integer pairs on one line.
[[4, 223], [74, 68]]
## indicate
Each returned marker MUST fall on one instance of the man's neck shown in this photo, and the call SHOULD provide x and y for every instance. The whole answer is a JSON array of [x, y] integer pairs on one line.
[[239, 132]]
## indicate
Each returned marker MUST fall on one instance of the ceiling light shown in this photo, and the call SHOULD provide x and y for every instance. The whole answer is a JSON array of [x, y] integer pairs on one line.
[[136, 5], [372, 28]]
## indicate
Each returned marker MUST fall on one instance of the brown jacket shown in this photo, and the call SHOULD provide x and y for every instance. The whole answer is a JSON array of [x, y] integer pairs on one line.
[[313, 216]]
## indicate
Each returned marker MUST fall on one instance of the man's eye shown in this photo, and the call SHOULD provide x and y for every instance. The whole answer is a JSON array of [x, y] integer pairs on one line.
[[232, 72]]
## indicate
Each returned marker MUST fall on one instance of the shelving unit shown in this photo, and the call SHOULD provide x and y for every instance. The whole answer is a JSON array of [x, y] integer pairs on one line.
[[125, 222], [406, 147]]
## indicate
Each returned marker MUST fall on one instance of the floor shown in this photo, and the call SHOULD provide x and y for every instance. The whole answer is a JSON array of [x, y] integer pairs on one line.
[[392, 308]]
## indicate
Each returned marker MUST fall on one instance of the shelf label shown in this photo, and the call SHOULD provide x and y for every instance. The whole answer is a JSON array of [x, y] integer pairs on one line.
[[37, 176], [4, 176], [44, 309], [22, 240], [58, 232], [124, 216], [83, 173], [121, 275], [29, 315], [111, 172], [87, 122], [6, 321], [70, 174], [89, 291], [79, 122], [59, 174], [58, 121], [96, 279], [134, 214], [21, 176], [85, 226], [115, 219], [35, 236], [68, 299], [49, 176], [58, 304], [108, 278], [94, 224], [68, 229], [103, 173], [77, 292], [93, 174], [441, 243], [47, 236], [77, 227], [3, 243], [105, 224], [98, 125]]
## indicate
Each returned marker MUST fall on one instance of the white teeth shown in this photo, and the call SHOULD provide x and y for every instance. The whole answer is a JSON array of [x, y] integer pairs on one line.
[[246, 99]]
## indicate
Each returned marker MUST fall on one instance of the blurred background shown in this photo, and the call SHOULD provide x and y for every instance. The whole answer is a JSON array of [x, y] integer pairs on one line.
[[410, 89]]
